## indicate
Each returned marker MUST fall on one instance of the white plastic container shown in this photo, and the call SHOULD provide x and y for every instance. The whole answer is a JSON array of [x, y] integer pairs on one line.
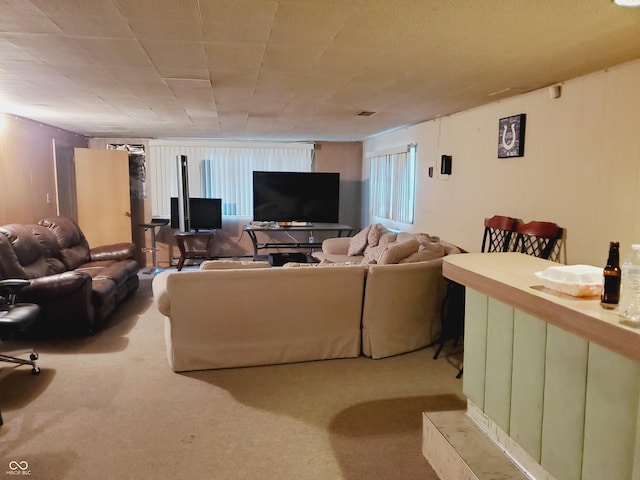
[[574, 280], [629, 306]]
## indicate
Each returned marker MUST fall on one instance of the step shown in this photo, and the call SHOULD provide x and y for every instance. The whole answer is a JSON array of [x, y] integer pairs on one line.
[[458, 450]]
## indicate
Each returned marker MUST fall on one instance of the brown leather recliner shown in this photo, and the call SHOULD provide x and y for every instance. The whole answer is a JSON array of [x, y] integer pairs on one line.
[[77, 287]]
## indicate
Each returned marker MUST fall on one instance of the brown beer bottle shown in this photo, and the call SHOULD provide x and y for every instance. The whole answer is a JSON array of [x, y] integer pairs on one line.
[[612, 276]]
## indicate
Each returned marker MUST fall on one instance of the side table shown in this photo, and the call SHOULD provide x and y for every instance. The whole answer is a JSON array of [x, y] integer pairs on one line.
[[186, 247]]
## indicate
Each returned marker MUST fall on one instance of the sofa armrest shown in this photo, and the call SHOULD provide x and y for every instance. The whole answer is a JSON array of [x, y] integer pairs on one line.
[[116, 251], [401, 310], [55, 286], [160, 295], [338, 245]]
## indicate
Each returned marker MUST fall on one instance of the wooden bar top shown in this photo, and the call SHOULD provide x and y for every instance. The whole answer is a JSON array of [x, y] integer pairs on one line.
[[510, 278]]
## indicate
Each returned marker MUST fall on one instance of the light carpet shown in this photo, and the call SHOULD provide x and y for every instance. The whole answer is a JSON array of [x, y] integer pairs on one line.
[[109, 407]]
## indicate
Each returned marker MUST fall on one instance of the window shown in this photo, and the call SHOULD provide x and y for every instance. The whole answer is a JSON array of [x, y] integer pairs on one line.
[[392, 185], [220, 170]]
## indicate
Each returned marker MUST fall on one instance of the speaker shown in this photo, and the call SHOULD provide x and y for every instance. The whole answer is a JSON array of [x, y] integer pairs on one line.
[[183, 193], [445, 164]]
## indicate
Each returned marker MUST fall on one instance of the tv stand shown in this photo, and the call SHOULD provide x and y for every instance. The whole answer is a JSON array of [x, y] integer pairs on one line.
[[271, 228]]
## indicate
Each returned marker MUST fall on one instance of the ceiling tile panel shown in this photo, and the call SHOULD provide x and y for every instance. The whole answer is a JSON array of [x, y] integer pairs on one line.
[[237, 21], [94, 26], [20, 16], [178, 59], [50, 49], [234, 57], [115, 51], [291, 69], [290, 59]]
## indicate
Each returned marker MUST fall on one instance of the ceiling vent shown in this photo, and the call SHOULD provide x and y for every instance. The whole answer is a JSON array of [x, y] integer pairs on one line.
[[365, 113]]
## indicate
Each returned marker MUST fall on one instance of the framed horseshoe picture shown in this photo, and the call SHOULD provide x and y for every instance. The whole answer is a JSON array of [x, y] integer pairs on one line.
[[511, 136]]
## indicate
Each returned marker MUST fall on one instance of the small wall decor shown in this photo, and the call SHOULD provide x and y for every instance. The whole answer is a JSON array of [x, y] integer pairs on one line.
[[511, 136]]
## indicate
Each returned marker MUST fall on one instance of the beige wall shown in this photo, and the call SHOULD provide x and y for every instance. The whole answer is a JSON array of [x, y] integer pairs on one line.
[[581, 167], [28, 182], [346, 158]]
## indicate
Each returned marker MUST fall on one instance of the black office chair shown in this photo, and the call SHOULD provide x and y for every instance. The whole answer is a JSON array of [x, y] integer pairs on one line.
[[16, 318]]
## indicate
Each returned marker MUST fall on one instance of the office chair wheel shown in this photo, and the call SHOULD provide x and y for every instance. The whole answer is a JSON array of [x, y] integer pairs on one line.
[[35, 371], [33, 356]]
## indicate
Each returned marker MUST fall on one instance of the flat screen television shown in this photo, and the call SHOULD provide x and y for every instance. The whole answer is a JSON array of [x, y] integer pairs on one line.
[[204, 213], [296, 197]]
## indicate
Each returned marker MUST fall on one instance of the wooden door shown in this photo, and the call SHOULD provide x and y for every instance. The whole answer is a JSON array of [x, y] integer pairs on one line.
[[102, 191]]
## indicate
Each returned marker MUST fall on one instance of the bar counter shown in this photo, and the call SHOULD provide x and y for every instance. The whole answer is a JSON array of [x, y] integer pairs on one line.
[[553, 379], [510, 277]]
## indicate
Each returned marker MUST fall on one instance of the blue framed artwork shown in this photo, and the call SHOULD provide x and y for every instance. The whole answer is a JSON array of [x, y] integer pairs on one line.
[[511, 136]]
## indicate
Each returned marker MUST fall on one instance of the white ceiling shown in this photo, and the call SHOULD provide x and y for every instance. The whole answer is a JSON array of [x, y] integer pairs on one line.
[[291, 69]]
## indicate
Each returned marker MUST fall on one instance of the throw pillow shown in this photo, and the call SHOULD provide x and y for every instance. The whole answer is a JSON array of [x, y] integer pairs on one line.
[[397, 251], [404, 236], [372, 254], [375, 232], [387, 238], [358, 242]]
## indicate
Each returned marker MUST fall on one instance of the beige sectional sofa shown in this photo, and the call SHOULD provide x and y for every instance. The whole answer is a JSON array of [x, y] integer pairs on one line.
[[244, 316], [233, 314]]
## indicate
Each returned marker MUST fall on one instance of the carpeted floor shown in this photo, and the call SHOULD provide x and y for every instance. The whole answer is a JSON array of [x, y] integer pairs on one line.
[[109, 407]]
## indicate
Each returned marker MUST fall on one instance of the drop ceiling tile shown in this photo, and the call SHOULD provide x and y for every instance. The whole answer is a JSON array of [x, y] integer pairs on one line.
[[114, 51], [155, 8], [234, 57], [178, 59], [59, 8], [290, 59], [51, 49], [178, 28], [21, 15], [94, 26], [237, 21]]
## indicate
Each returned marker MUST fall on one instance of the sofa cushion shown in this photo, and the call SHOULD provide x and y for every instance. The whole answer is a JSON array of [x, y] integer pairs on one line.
[[74, 248], [22, 255], [425, 253], [397, 251], [49, 248], [117, 271], [323, 263], [358, 242], [232, 264]]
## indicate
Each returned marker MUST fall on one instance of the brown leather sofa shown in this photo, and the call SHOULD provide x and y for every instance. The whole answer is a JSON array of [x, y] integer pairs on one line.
[[77, 287]]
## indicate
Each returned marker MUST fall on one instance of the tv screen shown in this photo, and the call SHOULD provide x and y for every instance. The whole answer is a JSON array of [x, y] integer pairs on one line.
[[204, 213], [296, 197]]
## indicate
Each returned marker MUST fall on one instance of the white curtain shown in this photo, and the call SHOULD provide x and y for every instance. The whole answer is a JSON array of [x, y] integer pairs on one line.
[[220, 170], [392, 185]]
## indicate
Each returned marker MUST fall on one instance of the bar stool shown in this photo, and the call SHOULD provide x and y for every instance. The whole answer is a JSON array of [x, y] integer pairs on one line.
[[155, 223]]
